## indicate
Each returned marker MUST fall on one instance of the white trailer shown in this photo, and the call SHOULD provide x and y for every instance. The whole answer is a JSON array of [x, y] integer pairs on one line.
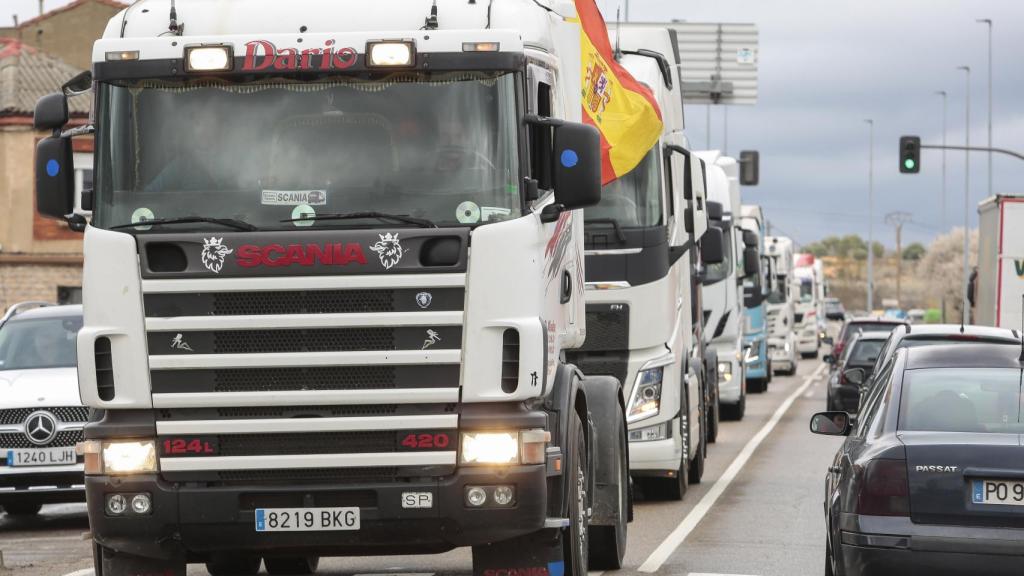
[[999, 286]]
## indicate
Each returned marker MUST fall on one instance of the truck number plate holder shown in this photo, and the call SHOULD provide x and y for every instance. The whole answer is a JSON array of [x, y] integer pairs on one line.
[[306, 519]]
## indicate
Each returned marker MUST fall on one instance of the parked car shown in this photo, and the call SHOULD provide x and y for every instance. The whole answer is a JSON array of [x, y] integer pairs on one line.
[[41, 415], [927, 479], [854, 369], [855, 326], [834, 309]]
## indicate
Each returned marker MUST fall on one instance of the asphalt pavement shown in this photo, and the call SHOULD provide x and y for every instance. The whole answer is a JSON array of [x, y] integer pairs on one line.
[[756, 512]]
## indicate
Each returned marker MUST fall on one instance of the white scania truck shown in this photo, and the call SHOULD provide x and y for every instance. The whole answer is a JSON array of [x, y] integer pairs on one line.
[[334, 262], [724, 312], [641, 249], [809, 293], [781, 306]]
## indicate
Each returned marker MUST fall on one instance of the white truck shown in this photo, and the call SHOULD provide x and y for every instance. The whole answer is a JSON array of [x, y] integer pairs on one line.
[[999, 282], [781, 306], [641, 243], [724, 312], [756, 287], [809, 290], [292, 349]]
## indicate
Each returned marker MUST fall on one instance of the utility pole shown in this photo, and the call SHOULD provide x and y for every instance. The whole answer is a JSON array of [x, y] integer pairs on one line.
[[942, 218], [871, 214], [967, 197], [989, 22], [897, 220]]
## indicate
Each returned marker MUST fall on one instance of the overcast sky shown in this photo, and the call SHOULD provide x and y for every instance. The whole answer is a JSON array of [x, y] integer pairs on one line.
[[825, 66]]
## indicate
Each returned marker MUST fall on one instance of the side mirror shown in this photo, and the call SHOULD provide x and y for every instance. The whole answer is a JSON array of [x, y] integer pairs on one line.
[[829, 359], [712, 246], [55, 177], [831, 423], [51, 112], [750, 167], [688, 221], [855, 376], [751, 262], [577, 161], [828, 341], [749, 238], [80, 84], [715, 211]]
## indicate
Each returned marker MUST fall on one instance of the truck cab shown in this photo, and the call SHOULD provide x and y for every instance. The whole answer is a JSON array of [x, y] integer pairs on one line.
[[756, 287], [722, 291], [333, 265], [641, 245], [781, 307], [810, 292]]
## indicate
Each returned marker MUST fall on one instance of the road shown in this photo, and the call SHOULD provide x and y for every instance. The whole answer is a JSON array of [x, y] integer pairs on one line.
[[757, 511]]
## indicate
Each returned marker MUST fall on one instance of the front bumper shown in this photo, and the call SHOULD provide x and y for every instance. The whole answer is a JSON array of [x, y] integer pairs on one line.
[[730, 391], [807, 344], [873, 545], [42, 485], [657, 457], [195, 521]]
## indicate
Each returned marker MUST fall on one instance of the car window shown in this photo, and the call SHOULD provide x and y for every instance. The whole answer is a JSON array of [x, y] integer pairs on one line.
[[873, 399], [962, 400], [887, 349], [39, 343], [865, 352]]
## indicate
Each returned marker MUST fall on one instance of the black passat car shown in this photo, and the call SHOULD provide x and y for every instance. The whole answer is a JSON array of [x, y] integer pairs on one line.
[[854, 369], [930, 479]]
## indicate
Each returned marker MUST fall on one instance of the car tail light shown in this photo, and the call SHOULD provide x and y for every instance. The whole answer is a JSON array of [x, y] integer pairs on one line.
[[884, 490]]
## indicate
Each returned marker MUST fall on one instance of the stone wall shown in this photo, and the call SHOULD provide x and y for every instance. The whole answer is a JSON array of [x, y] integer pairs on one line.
[[21, 282]]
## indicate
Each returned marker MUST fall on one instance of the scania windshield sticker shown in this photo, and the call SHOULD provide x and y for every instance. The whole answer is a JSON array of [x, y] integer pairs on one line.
[[142, 215], [306, 213], [214, 253], [432, 338], [293, 197], [423, 299], [389, 249], [467, 212], [178, 343]]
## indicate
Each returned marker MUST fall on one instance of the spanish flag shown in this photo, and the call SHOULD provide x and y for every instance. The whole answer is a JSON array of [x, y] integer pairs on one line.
[[622, 109]]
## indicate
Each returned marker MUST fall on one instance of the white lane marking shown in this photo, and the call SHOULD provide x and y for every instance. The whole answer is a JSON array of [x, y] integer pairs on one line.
[[716, 574], [596, 573], [83, 572], [677, 536]]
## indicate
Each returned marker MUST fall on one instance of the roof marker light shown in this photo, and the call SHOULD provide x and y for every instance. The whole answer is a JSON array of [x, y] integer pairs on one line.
[[119, 55], [390, 53], [208, 58], [481, 46]]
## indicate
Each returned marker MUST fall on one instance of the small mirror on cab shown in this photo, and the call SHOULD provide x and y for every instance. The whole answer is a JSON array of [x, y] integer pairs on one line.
[[831, 423], [854, 376], [80, 84]]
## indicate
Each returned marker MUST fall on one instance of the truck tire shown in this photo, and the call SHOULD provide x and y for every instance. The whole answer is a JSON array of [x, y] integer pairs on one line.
[[608, 543], [696, 469], [22, 509], [714, 409], [233, 565], [288, 565], [577, 546], [735, 411], [757, 385], [118, 564]]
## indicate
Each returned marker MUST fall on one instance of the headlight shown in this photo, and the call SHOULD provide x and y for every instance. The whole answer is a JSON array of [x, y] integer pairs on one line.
[[786, 347], [725, 370], [208, 58], [138, 457], [398, 53], [646, 400]]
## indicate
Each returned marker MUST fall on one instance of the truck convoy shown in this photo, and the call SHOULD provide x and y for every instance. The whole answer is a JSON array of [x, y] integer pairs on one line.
[[334, 266], [809, 292], [641, 245], [724, 313], [756, 288], [996, 292], [781, 306]]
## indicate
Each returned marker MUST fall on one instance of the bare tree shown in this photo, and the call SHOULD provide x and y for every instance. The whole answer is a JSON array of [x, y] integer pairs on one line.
[[942, 269]]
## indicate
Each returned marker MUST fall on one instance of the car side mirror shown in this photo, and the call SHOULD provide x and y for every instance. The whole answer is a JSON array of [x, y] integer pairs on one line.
[[577, 161], [829, 359], [749, 239], [855, 376], [51, 112], [831, 423], [712, 246], [751, 262], [55, 177], [828, 341]]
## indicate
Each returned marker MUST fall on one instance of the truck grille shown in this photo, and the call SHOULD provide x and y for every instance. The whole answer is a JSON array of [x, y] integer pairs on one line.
[[607, 328], [63, 439], [68, 414], [303, 398]]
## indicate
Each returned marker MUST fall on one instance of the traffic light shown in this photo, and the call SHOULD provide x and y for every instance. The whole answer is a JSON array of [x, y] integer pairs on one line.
[[910, 154]]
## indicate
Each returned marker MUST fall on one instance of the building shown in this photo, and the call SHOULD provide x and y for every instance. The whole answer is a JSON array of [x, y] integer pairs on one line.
[[67, 32], [40, 259]]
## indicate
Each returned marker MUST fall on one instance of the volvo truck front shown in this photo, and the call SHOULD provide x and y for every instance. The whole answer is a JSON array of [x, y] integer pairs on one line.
[[756, 287]]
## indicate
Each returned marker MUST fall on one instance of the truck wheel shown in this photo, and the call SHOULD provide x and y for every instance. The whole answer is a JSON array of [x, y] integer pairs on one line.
[[287, 565], [22, 509], [608, 543], [735, 411], [696, 471], [118, 564], [233, 565], [715, 415], [577, 546]]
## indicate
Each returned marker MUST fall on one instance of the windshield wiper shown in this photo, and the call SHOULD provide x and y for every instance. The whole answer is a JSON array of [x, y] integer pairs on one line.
[[228, 222], [615, 224], [421, 222]]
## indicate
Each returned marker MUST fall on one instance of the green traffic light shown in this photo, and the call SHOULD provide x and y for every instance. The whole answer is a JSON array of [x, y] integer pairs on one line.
[[909, 163]]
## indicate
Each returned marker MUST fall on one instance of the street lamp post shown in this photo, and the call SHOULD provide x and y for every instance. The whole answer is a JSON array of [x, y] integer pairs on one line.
[[942, 217], [967, 193], [989, 22], [871, 213]]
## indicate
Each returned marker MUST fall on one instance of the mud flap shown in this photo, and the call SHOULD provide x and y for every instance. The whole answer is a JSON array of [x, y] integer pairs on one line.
[[537, 554], [118, 564]]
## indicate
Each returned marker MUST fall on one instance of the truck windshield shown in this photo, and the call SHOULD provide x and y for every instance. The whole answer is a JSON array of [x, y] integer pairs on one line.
[[778, 294], [443, 147], [806, 290], [718, 272], [42, 343], [634, 200]]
